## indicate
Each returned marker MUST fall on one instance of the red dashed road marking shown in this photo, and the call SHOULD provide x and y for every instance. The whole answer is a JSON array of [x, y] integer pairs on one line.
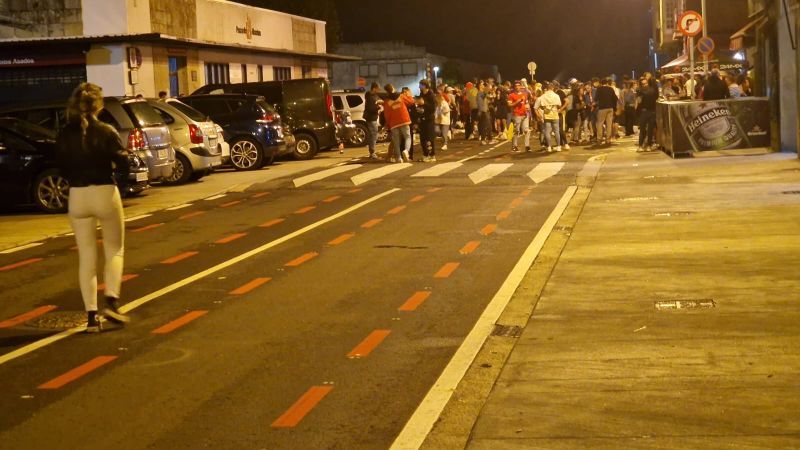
[[77, 372], [397, 209], [332, 199], [20, 264], [305, 210], [229, 204], [432, 190], [415, 301], [271, 223], [22, 318], [230, 238], [488, 229], [250, 286], [516, 202], [260, 194], [503, 215], [447, 270], [418, 198], [342, 239], [369, 344], [371, 223], [303, 259], [470, 247], [179, 322], [302, 407], [179, 258], [147, 228], [190, 215]]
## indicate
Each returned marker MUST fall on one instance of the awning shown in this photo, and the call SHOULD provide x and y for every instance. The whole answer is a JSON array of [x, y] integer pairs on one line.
[[757, 20], [682, 60]]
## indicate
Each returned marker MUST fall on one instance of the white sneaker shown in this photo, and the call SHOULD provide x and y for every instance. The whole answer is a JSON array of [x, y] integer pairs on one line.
[[566, 147], [483, 142], [426, 159], [432, 159], [444, 147], [492, 142], [549, 149], [405, 156], [558, 149]]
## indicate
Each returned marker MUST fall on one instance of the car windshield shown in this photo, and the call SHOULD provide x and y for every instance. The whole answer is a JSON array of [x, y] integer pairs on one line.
[[144, 114], [29, 130], [188, 111]]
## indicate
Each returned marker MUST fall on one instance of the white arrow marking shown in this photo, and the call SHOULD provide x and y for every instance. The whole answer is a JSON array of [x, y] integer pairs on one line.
[[545, 170], [377, 173], [488, 171], [439, 169], [321, 175]]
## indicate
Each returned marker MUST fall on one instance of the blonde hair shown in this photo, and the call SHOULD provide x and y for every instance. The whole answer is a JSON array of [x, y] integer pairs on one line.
[[85, 102]]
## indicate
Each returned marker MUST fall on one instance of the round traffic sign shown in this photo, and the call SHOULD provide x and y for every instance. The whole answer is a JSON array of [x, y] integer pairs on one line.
[[706, 45], [532, 66], [690, 23]]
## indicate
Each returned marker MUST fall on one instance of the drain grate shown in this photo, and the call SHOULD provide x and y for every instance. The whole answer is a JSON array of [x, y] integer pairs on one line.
[[511, 331], [791, 192], [59, 320], [670, 305], [563, 228]]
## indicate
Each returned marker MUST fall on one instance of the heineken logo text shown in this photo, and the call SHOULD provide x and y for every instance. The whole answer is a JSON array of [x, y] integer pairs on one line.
[[706, 117]]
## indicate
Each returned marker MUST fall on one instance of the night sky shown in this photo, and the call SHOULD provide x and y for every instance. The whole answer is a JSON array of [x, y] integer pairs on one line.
[[566, 38]]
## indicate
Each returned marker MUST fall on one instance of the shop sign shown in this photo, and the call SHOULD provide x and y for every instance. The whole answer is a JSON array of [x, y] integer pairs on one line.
[[40, 60], [248, 29]]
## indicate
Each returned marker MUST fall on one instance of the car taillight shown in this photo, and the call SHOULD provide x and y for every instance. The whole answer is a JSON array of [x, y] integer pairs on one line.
[[137, 141], [195, 134], [329, 102], [267, 118]]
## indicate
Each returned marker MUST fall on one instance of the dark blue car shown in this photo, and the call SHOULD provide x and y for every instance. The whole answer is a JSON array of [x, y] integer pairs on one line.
[[251, 126]]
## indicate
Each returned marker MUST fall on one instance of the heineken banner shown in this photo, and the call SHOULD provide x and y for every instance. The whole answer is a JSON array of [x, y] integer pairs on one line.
[[699, 126]]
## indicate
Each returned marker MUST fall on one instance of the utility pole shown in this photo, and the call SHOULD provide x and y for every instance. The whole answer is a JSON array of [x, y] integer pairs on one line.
[[705, 34]]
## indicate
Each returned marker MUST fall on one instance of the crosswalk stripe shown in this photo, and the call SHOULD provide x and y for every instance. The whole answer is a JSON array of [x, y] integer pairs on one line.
[[378, 173], [487, 172], [544, 171], [321, 175], [439, 169]]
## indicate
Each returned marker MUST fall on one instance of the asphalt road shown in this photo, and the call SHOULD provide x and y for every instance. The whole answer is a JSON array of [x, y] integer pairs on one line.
[[282, 317]]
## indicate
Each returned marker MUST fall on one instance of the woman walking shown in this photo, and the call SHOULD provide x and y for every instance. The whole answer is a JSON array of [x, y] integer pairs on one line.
[[443, 119], [88, 151]]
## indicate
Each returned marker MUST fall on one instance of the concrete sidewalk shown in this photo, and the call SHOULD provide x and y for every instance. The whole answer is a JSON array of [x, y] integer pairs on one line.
[[600, 365]]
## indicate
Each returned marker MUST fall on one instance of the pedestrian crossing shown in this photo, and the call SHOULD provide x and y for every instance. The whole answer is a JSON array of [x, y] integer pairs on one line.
[[539, 174]]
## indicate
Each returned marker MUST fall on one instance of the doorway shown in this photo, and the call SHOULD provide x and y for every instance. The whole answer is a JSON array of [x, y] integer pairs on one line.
[[177, 66]]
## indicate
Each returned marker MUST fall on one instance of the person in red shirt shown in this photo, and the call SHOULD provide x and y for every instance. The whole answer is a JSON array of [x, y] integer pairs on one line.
[[519, 102], [398, 121]]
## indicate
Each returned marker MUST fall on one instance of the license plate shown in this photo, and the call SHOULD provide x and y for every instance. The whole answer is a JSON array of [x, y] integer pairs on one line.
[[162, 154], [141, 176]]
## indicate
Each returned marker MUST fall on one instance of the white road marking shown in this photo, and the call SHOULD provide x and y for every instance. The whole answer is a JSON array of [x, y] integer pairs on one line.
[[544, 171], [481, 153], [215, 197], [439, 169], [488, 171], [378, 173], [135, 218], [186, 281], [321, 175], [21, 248], [175, 208], [423, 419]]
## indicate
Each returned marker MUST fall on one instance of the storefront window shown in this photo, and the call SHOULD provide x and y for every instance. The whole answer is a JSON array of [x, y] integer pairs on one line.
[[282, 73], [217, 73]]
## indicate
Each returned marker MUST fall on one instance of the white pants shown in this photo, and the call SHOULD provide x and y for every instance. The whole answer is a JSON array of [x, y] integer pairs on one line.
[[87, 205]]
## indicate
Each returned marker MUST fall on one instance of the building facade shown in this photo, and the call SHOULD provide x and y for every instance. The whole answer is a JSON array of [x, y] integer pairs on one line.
[[132, 47], [400, 64]]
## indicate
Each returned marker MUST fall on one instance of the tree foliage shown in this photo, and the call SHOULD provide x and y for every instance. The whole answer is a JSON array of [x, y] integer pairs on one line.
[[315, 9]]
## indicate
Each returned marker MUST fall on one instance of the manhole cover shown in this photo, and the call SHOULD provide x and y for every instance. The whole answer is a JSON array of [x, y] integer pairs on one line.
[[667, 305], [59, 320], [511, 331]]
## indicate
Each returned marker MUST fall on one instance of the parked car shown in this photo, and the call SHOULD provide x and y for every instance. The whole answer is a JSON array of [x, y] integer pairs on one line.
[[250, 125], [353, 102], [135, 120], [305, 105], [29, 173], [194, 138]]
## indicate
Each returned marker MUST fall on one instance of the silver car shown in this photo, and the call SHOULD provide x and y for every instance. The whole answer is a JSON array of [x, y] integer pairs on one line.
[[194, 138]]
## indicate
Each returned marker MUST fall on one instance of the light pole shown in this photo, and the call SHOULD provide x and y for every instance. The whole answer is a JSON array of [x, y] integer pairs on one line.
[[705, 34], [435, 77]]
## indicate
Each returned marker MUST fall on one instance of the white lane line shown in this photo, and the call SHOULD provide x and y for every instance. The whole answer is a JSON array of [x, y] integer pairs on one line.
[[377, 173], [321, 175], [488, 171], [544, 171], [175, 208], [200, 275], [135, 218], [423, 419], [21, 248], [439, 169], [481, 153], [215, 197]]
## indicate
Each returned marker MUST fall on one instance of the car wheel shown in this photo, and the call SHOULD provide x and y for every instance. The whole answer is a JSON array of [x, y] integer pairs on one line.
[[383, 134], [181, 170], [360, 135], [306, 146], [246, 154], [51, 191]]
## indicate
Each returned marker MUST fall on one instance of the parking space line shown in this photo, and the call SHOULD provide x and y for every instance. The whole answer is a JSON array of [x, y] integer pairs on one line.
[[369, 344], [24, 263], [415, 301], [21, 248], [179, 322], [470, 247], [447, 270], [489, 229], [147, 228], [371, 223], [250, 286], [342, 239], [271, 223], [127, 277], [78, 372], [179, 258], [295, 414], [22, 318], [230, 238], [302, 259], [190, 215]]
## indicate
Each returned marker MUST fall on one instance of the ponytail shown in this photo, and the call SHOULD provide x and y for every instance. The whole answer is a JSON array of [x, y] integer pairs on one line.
[[84, 104]]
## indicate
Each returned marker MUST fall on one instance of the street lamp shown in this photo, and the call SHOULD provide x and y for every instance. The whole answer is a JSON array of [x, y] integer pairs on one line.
[[435, 77]]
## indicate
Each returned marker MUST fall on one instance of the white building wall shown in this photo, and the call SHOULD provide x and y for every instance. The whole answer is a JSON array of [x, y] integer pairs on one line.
[[106, 67], [138, 17], [788, 87], [103, 17], [322, 45]]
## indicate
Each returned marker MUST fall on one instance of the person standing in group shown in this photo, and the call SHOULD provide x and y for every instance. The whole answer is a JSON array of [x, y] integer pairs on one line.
[[88, 151], [472, 119], [502, 110], [715, 88], [734, 89], [443, 119], [563, 95], [606, 100], [519, 103], [371, 112], [629, 106], [398, 120], [427, 121], [648, 96], [547, 106], [484, 124]]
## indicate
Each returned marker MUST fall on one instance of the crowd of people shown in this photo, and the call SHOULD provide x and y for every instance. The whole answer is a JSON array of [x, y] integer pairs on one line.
[[598, 111]]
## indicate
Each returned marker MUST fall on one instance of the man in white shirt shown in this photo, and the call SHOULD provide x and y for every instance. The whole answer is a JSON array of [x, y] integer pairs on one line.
[[547, 110], [690, 86]]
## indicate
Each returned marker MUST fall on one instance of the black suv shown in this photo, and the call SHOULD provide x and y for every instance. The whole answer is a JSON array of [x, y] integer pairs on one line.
[[305, 105], [251, 127]]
